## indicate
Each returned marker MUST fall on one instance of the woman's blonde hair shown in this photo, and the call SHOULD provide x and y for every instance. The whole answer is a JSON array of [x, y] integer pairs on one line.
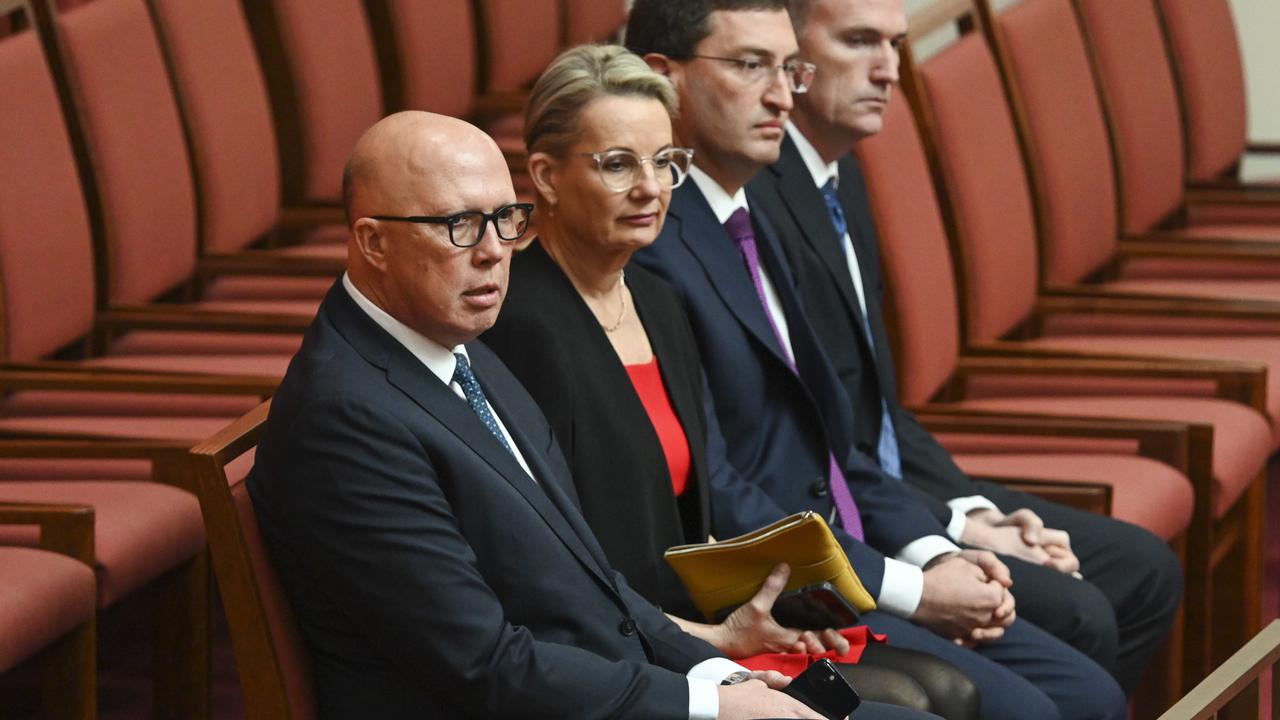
[[577, 77]]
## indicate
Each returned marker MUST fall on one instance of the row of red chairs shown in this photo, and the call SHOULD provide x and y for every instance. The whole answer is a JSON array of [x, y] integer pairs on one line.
[[168, 221]]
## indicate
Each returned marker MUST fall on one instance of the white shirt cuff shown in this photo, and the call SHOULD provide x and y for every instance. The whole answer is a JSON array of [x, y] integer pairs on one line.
[[704, 681], [920, 552], [901, 588], [960, 509]]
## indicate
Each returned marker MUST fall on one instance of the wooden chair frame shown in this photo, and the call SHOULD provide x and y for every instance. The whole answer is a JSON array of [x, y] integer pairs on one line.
[[1232, 689], [70, 682], [258, 658], [1209, 542]]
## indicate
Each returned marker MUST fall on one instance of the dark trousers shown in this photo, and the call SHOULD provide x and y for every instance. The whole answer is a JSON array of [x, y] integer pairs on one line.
[[1120, 614]]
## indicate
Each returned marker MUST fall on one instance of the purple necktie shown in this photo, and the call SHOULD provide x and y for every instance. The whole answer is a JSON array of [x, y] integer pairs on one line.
[[739, 227]]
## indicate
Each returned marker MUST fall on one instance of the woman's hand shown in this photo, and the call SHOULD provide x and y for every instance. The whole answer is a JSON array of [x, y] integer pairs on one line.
[[751, 629]]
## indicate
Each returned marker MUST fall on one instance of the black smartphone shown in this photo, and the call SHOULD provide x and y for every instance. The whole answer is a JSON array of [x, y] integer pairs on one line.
[[825, 691], [814, 607]]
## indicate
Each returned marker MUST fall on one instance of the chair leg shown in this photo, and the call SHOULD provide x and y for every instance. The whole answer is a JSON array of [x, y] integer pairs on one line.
[[183, 642], [70, 685]]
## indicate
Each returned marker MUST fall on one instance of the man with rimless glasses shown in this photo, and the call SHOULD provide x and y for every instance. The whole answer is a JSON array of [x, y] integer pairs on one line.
[[786, 421]]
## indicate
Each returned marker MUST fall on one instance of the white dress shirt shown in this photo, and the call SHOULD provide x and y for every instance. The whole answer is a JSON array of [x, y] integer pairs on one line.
[[822, 172], [704, 678], [903, 582]]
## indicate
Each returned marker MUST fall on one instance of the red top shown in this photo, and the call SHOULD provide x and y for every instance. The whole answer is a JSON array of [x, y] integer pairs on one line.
[[647, 380]]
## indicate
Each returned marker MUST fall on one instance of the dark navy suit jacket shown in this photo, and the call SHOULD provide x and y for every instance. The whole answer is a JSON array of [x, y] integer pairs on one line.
[[430, 575], [776, 427]]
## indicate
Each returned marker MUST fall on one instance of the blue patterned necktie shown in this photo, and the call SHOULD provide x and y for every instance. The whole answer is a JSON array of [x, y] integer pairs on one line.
[[475, 398], [887, 450]]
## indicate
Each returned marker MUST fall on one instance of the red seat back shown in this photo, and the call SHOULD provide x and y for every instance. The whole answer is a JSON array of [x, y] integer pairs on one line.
[[325, 87], [920, 291], [1066, 132], [1142, 104], [134, 136], [981, 167], [1205, 51], [46, 250], [223, 96], [519, 39], [589, 21], [439, 77]]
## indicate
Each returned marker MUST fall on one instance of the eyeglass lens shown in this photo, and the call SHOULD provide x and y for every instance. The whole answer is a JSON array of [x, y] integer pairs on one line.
[[622, 170], [466, 228]]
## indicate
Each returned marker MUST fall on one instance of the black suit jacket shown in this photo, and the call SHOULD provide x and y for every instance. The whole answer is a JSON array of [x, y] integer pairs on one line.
[[777, 426], [552, 343], [430, 575], [786, 194]]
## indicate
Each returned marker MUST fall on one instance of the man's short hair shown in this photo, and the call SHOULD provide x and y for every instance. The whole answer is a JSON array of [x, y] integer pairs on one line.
[[675, 27]]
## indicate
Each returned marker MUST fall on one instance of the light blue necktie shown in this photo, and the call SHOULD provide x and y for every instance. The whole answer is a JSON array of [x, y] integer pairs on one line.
[[475, 398], [890, 461]]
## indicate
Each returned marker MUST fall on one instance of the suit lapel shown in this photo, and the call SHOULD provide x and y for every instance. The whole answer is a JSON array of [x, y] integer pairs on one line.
[[711, 246], [407, 374]]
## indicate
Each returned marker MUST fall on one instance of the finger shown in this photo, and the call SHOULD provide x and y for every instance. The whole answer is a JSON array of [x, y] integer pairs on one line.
[[1005, 612], [993, 567], [811, 643], [1029, 522], [985, 634], [835, 641], [1060, 538], [772, 678], [773, 586]]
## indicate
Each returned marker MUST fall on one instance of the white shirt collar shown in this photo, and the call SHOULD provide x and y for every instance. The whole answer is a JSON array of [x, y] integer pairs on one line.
[[821, 171], [438, 358], [722, 204]]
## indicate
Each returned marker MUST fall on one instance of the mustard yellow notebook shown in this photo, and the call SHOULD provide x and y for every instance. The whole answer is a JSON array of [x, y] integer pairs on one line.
[[729, 572]]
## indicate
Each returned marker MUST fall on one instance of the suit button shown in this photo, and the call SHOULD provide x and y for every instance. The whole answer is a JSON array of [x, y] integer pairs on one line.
[[864, 448], [627, 627], [819, 488]]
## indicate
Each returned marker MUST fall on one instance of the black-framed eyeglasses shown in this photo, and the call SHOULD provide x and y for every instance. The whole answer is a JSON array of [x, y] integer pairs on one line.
[[621, 170], [799, 74], [467, 227]]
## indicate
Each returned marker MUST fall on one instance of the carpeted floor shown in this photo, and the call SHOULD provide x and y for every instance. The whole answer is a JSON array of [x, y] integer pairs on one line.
[[125, 657]]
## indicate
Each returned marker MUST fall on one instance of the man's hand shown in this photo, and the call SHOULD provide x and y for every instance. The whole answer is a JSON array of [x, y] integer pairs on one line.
[[754, 699], [751, 629], [1021, 534], [966, 597]]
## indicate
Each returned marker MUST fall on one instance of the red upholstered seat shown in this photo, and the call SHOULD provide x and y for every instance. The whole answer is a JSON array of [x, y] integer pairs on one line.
[[521, 37], [996, 444], [74, 469], [1242, 439], [121, 426], [264, 365], [141, 529], [1133, 481], [42, 596], [64, 402]]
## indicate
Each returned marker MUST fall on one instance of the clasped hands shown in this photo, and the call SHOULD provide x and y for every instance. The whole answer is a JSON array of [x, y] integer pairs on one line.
[[1021, 534], [966, 597]]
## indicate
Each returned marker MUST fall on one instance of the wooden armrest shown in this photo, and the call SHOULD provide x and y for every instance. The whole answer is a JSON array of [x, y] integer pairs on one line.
[[167, 457], [70, 376], [259, 262], [1166, 442], [1232, 192], [1173, 245], [1266, 147], [156, 317], [1237, 381], [1229, 679], [317, 214], [64, 529], [496, 104], [1090, 497], [1099, 301]]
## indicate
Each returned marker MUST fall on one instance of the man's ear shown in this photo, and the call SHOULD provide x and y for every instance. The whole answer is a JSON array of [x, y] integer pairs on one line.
[[658, 63], [542, 171], [371, 243]]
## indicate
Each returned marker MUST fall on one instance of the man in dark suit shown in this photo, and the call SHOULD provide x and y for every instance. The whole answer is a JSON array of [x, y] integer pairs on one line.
[[784, 419], [1122, 611], [419, 511]]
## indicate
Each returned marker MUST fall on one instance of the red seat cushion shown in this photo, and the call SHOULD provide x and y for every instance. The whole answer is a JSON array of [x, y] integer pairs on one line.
[[1263, 350], [1242, 438], [74, 469], [1240, 289], [42, 596], [1145, 492], [120, 426], [141, 529]]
